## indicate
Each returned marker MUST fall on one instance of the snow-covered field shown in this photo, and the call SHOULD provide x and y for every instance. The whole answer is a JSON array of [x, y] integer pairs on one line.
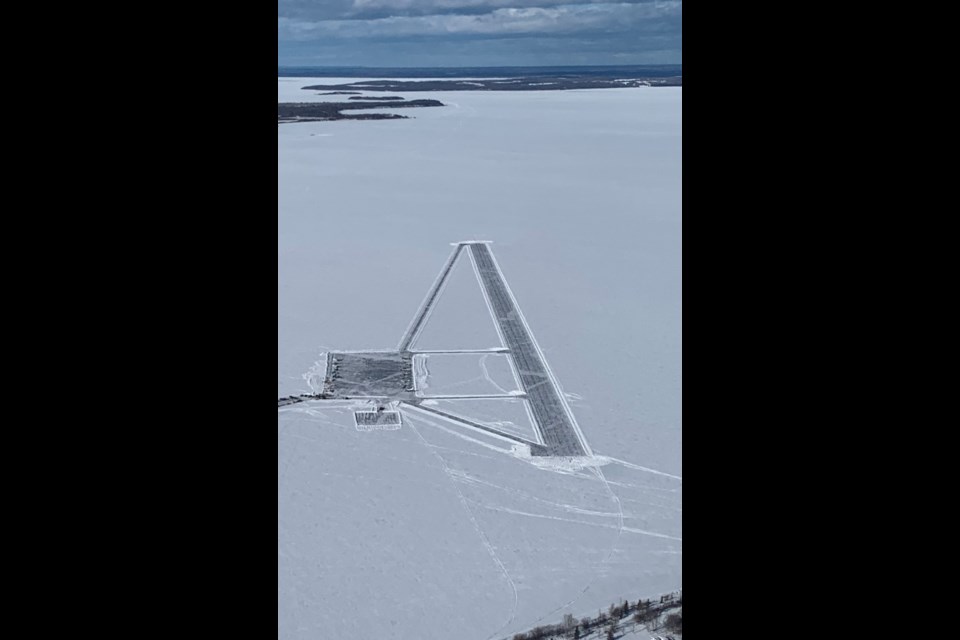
[[432, 531]]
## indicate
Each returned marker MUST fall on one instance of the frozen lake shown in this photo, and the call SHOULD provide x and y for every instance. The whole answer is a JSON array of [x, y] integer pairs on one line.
[[430, 531]]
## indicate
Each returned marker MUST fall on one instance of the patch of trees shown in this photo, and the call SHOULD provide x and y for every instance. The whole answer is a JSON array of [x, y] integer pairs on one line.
[[319, 111], [610, 624], [674, 623]]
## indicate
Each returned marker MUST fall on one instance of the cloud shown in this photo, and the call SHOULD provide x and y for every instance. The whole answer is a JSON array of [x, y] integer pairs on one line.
[[434, 7], [316, 10], [478, 32], [558, 18]]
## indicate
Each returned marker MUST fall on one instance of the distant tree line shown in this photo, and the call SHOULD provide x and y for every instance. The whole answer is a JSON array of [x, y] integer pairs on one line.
[[319, 111]]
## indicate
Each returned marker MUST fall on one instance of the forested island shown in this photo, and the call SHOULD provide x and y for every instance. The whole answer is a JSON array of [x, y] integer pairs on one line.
[[289, 112]]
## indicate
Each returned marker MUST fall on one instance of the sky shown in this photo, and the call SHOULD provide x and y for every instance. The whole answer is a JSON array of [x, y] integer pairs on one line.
[[473, 33]]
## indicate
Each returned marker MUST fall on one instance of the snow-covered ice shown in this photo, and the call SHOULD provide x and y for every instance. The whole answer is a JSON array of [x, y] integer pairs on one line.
[[434, 531]]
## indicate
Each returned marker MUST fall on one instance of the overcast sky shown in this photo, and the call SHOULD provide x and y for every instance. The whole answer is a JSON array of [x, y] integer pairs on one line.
[[442, 33]]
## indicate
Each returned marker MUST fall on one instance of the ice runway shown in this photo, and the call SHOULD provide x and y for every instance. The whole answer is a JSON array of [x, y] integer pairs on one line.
[[554, 421], [389, 377]]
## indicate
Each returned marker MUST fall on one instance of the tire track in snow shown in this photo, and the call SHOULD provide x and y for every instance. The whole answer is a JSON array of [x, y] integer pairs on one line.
[[636, 467], [486, 375], [616, 543], [476, 525], [523, 495], [586, 523]]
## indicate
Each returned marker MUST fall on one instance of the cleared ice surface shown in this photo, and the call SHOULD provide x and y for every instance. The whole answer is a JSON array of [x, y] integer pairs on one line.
[[460, 319], [510, 416], [451, 535], [464, 374]]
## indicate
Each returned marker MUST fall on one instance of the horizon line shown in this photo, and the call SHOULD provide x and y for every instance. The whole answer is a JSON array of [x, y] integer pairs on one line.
[[498, 66]]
